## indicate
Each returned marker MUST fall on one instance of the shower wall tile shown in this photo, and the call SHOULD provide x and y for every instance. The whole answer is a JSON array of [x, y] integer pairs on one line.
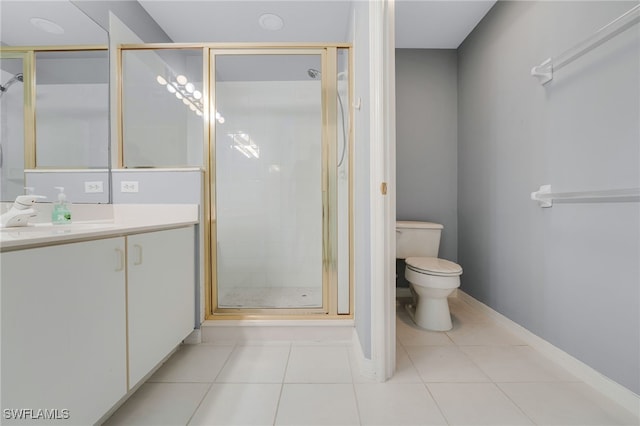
[[269, 206]]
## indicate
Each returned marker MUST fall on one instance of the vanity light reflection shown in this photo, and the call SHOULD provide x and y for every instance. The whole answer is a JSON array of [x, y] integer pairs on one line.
[[186, 91], [243, 143]]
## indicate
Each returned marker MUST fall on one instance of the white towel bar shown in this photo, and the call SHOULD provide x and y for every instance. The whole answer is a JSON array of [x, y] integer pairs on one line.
[[544, 71], [545, 197]]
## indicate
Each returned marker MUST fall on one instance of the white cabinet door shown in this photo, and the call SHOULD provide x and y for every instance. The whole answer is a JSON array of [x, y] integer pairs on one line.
[[161, 296], [63, 330]]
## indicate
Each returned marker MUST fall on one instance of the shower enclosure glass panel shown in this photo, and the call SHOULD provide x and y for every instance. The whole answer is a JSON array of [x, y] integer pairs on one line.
[[162, 108], [343, 125], [269, 182]]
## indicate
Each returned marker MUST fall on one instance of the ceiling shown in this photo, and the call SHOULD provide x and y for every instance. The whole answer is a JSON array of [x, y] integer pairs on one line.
[[16, 29], [419, 23], [437, 24]]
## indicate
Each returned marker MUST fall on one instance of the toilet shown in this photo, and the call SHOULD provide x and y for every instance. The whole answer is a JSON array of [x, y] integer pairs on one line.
[[431, 279]]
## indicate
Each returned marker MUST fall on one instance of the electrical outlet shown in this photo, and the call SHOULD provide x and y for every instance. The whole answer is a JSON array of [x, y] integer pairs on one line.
[[93, 187], [129, 186]]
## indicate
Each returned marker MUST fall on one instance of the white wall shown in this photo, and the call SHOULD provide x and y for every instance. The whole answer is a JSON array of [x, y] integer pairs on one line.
[[361, 196], [570, 273]]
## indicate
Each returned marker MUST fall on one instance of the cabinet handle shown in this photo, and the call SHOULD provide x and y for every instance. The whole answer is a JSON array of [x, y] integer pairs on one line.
[[138, 260], [120, 266]]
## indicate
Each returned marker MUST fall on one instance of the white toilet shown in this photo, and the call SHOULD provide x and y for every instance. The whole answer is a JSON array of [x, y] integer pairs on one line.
[[431, 280]]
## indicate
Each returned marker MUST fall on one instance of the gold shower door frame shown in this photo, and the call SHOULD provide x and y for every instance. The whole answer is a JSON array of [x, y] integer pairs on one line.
[[329, 308]]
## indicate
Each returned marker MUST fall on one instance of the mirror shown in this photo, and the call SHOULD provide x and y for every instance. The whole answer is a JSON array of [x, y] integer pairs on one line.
[[72, 109], [69, 93]]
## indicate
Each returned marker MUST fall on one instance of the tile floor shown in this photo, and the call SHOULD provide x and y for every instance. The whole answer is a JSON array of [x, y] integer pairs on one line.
[[476, 374]]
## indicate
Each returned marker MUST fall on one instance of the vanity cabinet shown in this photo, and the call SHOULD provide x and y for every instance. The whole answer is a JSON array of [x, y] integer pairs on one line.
[[84, 322], [63, 329], [161, 296]]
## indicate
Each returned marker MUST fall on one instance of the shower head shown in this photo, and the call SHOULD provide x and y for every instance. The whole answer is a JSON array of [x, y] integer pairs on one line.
[[314, 73], [12, 80]]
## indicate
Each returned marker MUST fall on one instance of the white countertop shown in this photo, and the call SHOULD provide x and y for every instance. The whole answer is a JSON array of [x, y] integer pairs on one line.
[[100, 221]]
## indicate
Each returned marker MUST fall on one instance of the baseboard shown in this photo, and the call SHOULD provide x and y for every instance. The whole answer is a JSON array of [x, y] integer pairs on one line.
[[601, 383], [365, 366]]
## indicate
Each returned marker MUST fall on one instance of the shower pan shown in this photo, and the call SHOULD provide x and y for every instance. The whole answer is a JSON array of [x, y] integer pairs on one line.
[[280, 176]]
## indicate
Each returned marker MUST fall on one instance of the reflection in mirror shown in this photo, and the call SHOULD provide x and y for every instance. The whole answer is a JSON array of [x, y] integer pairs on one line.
[[28, 26], [11, 129], [72, 125], [162, 108]]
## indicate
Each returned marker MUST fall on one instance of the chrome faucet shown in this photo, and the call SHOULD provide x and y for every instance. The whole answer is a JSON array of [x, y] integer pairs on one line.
[[20, 212]]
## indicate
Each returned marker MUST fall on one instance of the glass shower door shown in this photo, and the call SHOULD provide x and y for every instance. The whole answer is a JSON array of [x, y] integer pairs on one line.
[[270, 173]]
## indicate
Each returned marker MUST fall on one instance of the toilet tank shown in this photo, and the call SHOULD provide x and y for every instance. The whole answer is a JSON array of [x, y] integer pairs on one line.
[[417, 239]]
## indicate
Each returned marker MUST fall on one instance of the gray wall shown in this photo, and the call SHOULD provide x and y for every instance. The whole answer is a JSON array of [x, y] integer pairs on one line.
[[426, 141], [570, 274]]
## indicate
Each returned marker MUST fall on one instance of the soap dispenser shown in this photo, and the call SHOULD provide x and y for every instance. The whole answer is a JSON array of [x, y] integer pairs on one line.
[[61, 213]]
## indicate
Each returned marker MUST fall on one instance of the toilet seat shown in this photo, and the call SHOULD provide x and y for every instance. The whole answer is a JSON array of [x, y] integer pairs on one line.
[[433, 266]]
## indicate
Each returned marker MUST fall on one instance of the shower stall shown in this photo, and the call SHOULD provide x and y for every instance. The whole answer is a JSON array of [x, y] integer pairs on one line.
[[281, 182], [270, 127]]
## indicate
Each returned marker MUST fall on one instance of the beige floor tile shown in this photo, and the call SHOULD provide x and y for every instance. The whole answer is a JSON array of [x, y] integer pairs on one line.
[[515, 364], [317, 404], [255, 364], [409, 334], [158, 404], [318, 364], [476, 374], [193, 363], [482, 334], [405, 372], [476, 404], [444, 364], [397, 404], [231, 404]]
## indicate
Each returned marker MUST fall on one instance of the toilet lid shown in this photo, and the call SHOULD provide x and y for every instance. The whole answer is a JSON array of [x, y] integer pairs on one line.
[[433, 266]]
